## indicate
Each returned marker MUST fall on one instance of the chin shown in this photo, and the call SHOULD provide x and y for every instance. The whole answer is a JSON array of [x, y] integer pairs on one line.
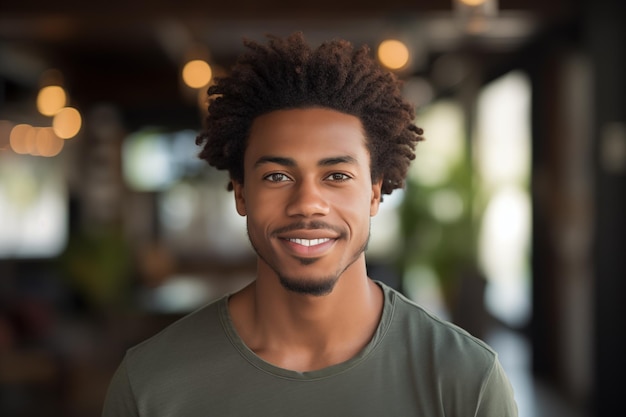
[[317, 287]]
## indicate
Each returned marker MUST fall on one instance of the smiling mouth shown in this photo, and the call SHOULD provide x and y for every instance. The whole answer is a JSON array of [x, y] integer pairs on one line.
[[309, 242]]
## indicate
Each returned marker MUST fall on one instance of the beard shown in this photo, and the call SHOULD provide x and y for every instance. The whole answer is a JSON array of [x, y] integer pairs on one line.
[[315, 286]]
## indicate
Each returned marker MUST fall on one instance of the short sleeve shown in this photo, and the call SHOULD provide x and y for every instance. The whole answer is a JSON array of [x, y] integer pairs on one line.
[[120, 401], [496, 397]]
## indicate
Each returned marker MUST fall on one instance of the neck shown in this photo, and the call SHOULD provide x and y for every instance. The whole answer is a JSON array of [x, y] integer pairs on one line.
[[305, 332]]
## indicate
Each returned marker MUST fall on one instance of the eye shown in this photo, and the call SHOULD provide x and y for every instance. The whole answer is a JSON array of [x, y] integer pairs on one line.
[[276, 177], [338, 176]]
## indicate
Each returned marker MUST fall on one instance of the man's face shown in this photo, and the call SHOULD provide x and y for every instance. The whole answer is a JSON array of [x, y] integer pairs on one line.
[[308, 196]]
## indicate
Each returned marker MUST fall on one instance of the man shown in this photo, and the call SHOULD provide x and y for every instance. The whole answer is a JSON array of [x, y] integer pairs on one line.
[[312, 139]]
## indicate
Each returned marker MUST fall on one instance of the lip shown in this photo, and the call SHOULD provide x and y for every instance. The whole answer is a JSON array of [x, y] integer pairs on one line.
[[309, 234], [310, 247], [319, 237]]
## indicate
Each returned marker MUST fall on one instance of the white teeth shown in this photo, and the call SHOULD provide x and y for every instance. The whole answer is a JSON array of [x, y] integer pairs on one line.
[[309, 242]]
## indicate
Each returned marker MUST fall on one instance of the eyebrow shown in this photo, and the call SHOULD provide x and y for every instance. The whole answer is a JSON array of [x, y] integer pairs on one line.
[[347, 159], [289, 162]]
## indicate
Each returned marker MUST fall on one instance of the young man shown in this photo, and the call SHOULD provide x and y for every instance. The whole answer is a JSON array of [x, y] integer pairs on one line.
[[312, 139]]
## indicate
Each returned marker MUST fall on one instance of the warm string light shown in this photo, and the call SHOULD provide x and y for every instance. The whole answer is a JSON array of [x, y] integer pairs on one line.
[[393, 54], [51, 99], [66, 123], [26, 139], [473, 3], [197, 73]]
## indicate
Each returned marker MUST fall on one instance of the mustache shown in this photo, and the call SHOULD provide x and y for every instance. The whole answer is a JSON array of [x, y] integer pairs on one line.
[[309, 225]]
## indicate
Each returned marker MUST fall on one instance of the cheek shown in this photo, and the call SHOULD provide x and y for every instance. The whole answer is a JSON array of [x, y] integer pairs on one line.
[[262, 210], [355, 207]]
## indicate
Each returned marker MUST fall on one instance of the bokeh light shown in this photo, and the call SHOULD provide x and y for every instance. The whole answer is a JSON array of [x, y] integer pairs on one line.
[[18, 138], [51, 99], [197, 73], [48, 144], [472, 2], [67, 123], [393, 54]]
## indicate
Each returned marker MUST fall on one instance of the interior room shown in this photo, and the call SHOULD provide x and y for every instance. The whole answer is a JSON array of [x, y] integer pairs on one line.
[[511, 223]]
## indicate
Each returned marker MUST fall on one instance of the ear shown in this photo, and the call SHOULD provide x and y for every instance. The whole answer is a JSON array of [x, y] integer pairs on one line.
[[376, 196], [240, 200]]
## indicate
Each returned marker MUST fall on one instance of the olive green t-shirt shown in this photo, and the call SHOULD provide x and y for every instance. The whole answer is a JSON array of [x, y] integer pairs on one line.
[[415, 365]]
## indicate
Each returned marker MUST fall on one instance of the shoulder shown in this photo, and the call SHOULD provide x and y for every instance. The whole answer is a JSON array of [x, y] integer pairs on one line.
[[460, 369], [436, 338], [188, 337], [173, 364]]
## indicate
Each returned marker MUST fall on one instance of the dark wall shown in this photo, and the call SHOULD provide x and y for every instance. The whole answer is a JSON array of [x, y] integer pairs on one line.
[[605, 36]]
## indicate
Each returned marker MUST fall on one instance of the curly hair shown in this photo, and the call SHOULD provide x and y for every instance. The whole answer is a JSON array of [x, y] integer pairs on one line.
[[287, 74]]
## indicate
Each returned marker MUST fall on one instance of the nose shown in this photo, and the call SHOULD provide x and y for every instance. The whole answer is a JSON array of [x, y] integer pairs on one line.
[[307, 200]]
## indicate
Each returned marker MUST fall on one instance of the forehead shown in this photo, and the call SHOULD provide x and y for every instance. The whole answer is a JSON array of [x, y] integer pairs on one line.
[[307, 132]]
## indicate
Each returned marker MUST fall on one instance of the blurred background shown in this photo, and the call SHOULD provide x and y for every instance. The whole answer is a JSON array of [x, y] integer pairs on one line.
[[512, 223]]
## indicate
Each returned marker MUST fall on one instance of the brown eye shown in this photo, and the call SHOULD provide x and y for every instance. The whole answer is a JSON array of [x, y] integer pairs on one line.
[[277, 177], [338, 176]]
